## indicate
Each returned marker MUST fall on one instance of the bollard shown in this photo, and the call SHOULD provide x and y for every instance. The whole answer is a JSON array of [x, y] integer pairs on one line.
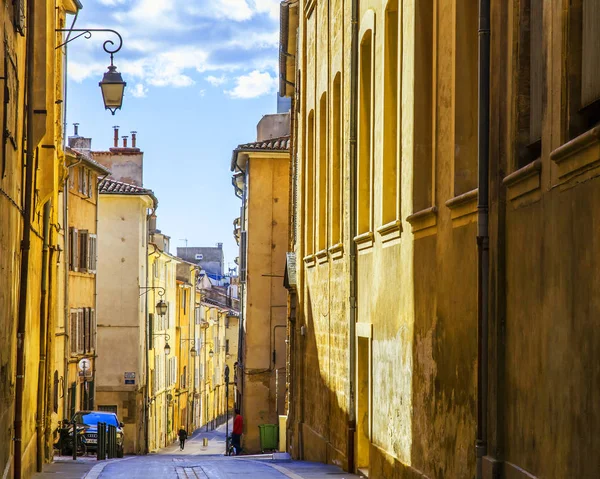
[[205, 441], [101, 442], [74, 441], [112, 442]]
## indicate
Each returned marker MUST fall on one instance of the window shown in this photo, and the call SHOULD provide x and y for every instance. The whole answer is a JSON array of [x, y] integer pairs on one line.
[[150, 331], [309, 184], [110, 408], [465, 98], [336, 168], [83, 250], [227, 346], [183, 378], [323, 167], [82, 183], [184, 300], [423, 107], [90, 184], [71, 179], [83, 331], [243, 257], [583, 65], [390, 200], [530, 83], [55, 392], [365, 127]]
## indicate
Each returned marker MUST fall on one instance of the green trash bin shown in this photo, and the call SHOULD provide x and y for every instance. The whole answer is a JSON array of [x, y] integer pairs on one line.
[[269, 436]]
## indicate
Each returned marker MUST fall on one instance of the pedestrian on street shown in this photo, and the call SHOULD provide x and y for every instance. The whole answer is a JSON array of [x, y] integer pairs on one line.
[[236, 434], [182, 437]]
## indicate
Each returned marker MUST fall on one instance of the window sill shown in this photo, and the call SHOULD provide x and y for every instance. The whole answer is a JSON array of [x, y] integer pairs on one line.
[[309, 260], [322, 256], [424, 222], [523, 185], [463, 208], [336, 251], [578, 155], [390, 231], [364, 241]]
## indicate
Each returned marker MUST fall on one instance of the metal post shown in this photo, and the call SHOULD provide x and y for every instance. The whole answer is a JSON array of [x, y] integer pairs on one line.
[[101, 442], [74, 443], [226, 408]]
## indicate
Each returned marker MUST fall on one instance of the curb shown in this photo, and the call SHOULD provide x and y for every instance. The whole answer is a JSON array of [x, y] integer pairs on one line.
[[286, 472], [95, 472]]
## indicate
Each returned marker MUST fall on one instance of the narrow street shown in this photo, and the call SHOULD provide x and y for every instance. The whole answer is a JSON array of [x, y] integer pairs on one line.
[[195, 461]]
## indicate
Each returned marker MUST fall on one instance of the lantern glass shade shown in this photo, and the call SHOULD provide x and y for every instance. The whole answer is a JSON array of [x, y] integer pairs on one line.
[[161, 308], [167, 349], [211, 353], [113, 87], [193, 352]]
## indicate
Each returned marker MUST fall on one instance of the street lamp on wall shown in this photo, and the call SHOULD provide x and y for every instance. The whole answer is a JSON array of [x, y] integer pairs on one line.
[[112, 84], [167, 339], [161, 308]]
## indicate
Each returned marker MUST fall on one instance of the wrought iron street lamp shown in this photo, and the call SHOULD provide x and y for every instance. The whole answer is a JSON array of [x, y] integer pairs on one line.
[[161, 308], [112, 84], [167, 339]]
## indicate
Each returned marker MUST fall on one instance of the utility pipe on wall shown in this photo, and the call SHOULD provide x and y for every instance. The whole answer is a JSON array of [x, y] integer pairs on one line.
[[352, 234], [25, 244], [41, 391], [482, 231]]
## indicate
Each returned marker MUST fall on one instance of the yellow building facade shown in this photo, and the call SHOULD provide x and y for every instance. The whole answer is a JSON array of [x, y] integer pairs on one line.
[[76, 325], [163, 357], [31, 235], [384, 308], [261, 179]]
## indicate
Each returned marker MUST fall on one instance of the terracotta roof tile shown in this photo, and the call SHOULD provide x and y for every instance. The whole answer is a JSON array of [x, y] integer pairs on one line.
[[109, 186], [275, 144]]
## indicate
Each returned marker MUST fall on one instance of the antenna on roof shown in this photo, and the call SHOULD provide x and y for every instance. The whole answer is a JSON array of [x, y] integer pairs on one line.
[[185, 240]]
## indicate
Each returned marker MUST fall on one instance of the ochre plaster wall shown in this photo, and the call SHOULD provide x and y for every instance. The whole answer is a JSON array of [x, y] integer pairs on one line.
[[266, 298]]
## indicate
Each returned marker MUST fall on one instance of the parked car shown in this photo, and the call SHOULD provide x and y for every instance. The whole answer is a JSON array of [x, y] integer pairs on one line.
[[89, 420]]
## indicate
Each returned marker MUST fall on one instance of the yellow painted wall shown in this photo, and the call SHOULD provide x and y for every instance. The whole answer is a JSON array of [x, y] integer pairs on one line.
[[49, 80], [264, 295], [415, 344], [121, 310]]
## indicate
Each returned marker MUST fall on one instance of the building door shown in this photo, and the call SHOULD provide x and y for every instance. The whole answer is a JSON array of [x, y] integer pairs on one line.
[[363, 403]]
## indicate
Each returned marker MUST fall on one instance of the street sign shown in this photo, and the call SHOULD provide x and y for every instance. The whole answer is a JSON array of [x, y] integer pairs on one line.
[[129, 377]]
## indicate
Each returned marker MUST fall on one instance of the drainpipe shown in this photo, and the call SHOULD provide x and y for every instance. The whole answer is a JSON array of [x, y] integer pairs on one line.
[[147, 339], [483, 233], [40, 414], [352, 234], [25, 244]]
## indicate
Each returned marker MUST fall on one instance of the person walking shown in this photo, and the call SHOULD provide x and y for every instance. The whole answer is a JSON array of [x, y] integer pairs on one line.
[[236, 433], [182, 437]]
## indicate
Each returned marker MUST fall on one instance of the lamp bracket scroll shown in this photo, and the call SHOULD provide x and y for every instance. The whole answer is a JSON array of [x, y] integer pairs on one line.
[[109, 45], [161, 290]]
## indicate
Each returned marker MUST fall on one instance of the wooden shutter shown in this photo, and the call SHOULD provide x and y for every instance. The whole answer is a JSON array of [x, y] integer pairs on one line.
[[150, 331], [590, 64], [80, 331], [243, 262], [72, 397], [55, 393], [92, 253], [73, 332], [74, 249], [93, 330]]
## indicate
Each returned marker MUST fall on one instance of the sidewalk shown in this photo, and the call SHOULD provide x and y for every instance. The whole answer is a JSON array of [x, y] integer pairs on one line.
[[67, 468]]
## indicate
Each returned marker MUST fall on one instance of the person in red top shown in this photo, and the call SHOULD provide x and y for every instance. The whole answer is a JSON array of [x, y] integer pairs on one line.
[[236, 433]]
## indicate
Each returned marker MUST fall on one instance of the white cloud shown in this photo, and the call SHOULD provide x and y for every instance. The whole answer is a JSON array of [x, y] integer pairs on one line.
[[216, 81], [111, 3], [237, 10], [139, 90], [268, 6], [253, 85]]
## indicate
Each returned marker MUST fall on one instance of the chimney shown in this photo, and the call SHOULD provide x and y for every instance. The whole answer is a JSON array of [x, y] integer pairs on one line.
[[220, 245], [125, 141], [133, 138], [116, 128], [152, 223], [76, 128]]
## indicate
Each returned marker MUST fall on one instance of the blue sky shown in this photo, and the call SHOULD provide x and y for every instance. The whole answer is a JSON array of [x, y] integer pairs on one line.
[[200, 74]]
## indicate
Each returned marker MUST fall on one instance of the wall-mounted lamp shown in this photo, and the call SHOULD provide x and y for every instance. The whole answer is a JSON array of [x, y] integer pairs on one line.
[[112, 84]]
